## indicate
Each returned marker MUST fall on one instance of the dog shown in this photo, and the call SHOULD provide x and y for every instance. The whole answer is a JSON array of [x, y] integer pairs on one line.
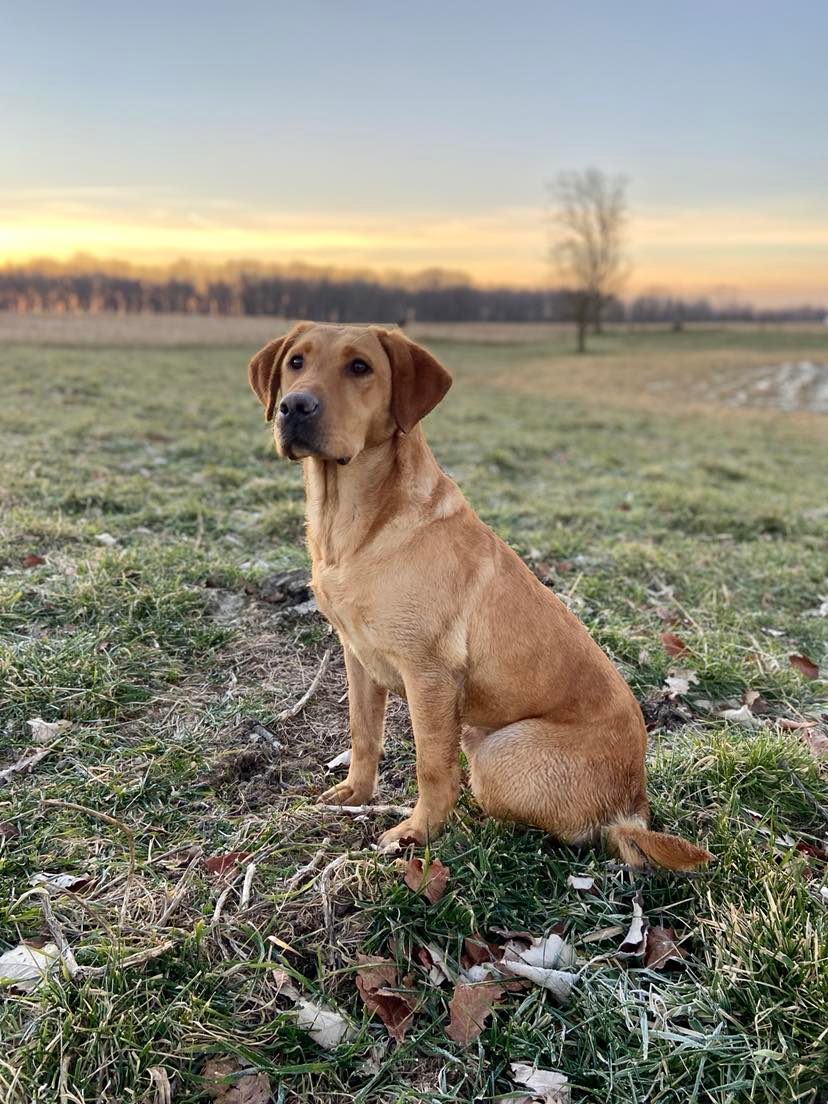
[[429, 603]]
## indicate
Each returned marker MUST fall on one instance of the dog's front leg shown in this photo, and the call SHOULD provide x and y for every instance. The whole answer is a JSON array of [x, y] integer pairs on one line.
[[366, 710], [433, 704]]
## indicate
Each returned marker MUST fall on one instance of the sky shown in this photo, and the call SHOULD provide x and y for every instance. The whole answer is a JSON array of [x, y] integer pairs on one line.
[[402, 136]]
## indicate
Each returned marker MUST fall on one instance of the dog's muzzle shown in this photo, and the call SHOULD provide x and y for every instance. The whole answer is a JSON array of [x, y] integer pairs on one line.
[[300, 415]]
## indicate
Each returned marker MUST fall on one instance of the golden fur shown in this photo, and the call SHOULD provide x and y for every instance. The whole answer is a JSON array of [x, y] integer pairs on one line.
[[429, 603]]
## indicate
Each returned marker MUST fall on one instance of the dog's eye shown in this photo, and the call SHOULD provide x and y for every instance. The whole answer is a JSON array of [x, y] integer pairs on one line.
[[359, 368], [296, 362]]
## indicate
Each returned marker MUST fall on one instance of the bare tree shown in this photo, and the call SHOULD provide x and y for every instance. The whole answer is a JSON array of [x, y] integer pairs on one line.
[[587, 249]]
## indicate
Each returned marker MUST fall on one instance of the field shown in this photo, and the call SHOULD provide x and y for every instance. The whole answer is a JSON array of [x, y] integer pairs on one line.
[[663, 484]]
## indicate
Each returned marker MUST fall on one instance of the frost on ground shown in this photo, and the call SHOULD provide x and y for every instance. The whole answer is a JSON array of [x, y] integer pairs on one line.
[[792, 386]]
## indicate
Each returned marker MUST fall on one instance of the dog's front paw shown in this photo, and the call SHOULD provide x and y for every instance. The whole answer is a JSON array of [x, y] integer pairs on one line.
[[407, 831], [347, 793]]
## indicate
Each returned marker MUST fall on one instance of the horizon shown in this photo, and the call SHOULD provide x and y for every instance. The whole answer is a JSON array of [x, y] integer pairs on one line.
[[374, 141]]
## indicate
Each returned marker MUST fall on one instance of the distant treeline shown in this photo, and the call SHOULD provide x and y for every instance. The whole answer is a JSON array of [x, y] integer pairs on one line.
[[344, 298]]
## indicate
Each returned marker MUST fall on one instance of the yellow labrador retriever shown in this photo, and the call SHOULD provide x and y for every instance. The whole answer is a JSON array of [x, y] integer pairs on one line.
[[429, 603]]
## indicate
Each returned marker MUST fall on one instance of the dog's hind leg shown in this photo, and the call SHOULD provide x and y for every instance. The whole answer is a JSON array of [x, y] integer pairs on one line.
[[535, 772]]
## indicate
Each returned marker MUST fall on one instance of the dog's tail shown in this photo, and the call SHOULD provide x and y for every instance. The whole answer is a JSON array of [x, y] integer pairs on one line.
[[630, 840]]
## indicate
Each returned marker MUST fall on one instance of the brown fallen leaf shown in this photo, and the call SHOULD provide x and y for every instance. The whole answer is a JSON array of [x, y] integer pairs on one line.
[[662, 948], [805, 665], [673, 645], [221, 864], [250, 1088], [33, 560], [816, 739], [476, 951], [433, 960], [470, 1007], [815, 852], [376, 980], [431, 882], [668, 616], [8, 830]]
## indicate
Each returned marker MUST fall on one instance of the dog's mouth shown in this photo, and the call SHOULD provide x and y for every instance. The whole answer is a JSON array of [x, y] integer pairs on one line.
[[297, 448]]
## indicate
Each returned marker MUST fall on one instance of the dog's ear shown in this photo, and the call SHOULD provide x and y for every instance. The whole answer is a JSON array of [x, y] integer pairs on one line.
[[418, 381], [265, 369]]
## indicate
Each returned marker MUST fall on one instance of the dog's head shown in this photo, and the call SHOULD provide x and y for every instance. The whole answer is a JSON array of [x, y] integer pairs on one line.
[[336, 390]]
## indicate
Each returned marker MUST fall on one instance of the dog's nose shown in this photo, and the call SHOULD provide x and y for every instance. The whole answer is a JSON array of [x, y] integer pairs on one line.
[[299, 405]]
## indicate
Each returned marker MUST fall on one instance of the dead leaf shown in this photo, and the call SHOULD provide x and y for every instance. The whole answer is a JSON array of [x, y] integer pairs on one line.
[[284, 985], [600, 934], [341, 760], [25, 967], [662, 948], [325, 1027], [548, 1086], [376, 980], [44, 732], [433, 960], [817, 852], [816, 739], [33, 560], [250, 1088], [539, 964], [668, 616], [673, 645], [583, 883], [8, 830], [635, 938], [470, 1007], [742, 716], [677, 686], [55, 882], [221, 864], [431, 882], [805, 665], [25, 763], [477, 950]]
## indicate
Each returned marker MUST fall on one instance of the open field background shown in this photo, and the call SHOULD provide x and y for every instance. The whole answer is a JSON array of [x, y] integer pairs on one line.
[[664, 483]]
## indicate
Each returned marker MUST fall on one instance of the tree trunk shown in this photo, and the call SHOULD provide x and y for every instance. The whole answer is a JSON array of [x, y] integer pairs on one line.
[[582, 332], [598, 321]]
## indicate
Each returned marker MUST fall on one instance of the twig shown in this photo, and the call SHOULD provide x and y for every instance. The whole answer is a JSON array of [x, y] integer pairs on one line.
[[297, 876], [137, 959], [24, 763], [180, 890], [225, 893], [56, 931], [366, 810], [324, 890], [55, 803], [296, 709], [248, 882]]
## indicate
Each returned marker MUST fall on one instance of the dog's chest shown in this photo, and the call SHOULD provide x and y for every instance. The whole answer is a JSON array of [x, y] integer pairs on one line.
[[346, 605]]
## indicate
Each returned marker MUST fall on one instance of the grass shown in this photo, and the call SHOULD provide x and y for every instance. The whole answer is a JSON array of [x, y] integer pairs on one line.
[[637, 494]]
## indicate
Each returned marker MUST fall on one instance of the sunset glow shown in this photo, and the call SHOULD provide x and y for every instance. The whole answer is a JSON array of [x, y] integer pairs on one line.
[[384, 146]]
